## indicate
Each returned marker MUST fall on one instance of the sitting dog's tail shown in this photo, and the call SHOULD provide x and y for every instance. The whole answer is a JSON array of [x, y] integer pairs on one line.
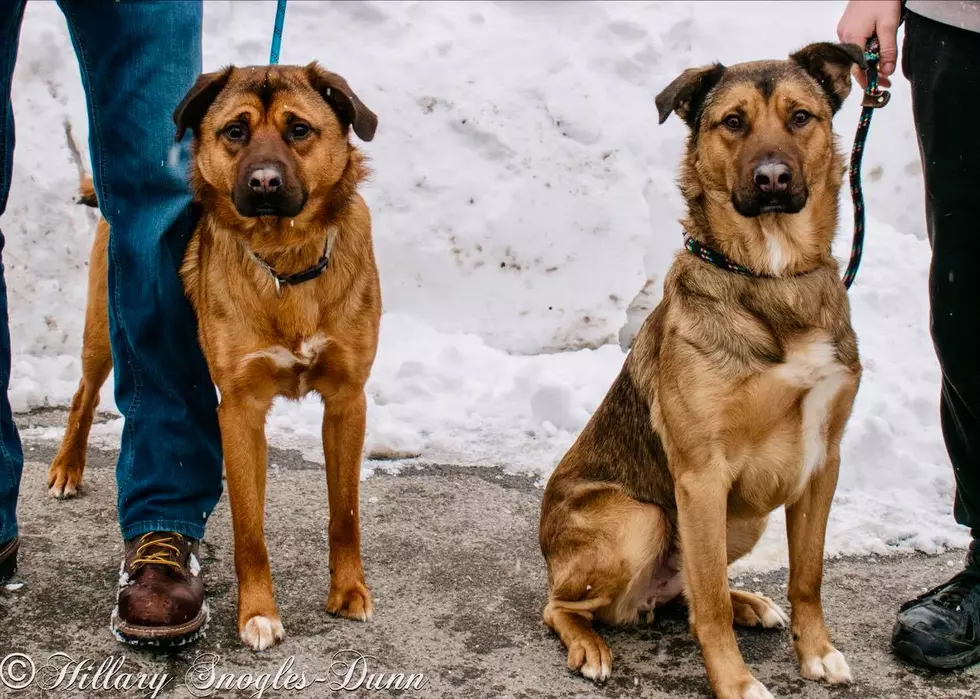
[[86, 187]]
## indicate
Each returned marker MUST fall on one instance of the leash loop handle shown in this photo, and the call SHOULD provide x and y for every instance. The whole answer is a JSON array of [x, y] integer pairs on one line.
[[874, 98], [277, 32]]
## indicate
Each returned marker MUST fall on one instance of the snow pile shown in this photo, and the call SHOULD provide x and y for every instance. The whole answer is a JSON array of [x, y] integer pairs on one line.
[[524, 212]]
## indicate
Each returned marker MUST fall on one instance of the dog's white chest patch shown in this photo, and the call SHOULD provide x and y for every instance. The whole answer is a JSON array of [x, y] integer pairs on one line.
[[814, 366], [285, 358], [778, 255]]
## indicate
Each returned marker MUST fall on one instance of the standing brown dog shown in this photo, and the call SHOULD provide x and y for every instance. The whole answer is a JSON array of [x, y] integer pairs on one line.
[[735, 395], [280, 271]]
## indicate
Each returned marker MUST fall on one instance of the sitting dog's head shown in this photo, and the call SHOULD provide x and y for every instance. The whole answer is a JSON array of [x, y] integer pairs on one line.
[[270, 139], [761, 138]]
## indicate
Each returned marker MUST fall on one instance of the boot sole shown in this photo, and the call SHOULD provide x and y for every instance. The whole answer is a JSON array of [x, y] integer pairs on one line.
[[161, 636], [912, 652]]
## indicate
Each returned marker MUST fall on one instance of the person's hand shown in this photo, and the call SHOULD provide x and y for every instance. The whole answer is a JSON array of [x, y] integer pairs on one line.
[[864, 18]]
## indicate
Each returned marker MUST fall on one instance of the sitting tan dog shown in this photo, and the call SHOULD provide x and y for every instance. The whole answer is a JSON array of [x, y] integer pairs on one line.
[[735, 395], [281, 274]]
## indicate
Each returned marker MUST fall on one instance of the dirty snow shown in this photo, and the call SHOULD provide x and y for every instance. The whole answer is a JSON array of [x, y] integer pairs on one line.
[[524, 211]]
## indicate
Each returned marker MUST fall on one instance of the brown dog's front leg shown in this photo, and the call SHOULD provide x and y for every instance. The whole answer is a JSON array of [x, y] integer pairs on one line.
[[702, 504], [806, 528], [243, 440], [343, 442]]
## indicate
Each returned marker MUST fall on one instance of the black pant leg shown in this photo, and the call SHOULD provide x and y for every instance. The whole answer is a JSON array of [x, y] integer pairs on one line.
[[943, 65]]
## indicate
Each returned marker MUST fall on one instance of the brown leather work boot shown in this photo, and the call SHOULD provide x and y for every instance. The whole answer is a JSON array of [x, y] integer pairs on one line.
[[8, 559], [161, 592]]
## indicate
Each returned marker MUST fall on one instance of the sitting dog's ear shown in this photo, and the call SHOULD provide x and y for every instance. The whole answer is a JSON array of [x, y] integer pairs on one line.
[[339, 95], [191, 110], [685, 95], [830, 65]]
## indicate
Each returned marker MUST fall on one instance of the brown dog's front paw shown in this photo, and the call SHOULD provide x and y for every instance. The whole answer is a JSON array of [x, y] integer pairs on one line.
[[746, 688], [352, 601], [64, 479], [591, 656], [261, 632], [830, 667]]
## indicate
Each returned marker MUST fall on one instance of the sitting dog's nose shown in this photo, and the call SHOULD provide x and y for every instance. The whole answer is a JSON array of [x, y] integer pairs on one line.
[[772, 176], [265, 179]]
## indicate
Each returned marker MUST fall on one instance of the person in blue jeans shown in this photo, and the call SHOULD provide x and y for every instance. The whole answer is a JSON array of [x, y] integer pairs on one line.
[[137, 61]]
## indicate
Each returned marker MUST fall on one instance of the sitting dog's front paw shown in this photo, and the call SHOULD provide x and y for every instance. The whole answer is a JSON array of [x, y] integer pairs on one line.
[[262, 632], [755, 690], [832, 668], [352, 601]]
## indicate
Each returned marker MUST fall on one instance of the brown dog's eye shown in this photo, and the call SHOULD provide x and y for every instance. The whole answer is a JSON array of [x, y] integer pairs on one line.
[[733, 122], [299, 131], [236, 132], [800, 117]]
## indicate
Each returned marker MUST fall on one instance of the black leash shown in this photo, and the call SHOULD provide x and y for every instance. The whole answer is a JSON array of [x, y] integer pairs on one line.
[[873, 99]]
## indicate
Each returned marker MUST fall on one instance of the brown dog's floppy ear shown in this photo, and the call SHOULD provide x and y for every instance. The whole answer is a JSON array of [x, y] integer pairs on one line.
[[685, 95], [830, 65], [339, 95], [191, 110]]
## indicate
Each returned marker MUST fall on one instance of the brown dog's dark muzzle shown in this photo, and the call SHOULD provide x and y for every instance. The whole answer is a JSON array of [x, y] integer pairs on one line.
[[268, 188], [770, 184]]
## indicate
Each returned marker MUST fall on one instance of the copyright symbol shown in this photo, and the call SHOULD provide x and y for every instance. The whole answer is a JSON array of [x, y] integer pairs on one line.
[[17, 671]]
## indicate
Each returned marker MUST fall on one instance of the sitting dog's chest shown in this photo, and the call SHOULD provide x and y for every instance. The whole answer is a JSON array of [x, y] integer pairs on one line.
[[795, 406]]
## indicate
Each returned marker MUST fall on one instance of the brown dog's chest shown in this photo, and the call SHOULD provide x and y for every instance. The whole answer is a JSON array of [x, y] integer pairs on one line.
[[290, 370]]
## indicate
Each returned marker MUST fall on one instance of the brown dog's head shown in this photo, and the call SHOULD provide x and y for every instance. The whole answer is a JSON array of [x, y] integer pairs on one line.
[[272, 139], [761, 131]]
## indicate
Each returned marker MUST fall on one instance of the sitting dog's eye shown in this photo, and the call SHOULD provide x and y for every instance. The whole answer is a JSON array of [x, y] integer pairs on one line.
[[733, 122], [299, 131], [800, 117], [236, 132]]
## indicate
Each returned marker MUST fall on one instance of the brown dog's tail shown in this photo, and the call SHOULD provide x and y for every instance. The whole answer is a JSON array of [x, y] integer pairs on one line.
[[86, 187]]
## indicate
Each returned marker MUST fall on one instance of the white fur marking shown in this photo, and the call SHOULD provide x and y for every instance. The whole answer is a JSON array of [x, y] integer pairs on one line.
[[756, 690], [312, 346], [778, 256], [812, 669], [285, 359], [597, 672], [814, 367], [831, 667], [261, 632], [279, 355], [774, 617], [837, 670]]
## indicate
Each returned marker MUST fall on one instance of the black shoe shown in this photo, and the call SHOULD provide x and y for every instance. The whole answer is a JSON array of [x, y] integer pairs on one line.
[[8, 560], [941, 629]]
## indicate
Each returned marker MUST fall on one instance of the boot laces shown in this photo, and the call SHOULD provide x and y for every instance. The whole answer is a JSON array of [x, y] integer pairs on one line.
[[158, 549]]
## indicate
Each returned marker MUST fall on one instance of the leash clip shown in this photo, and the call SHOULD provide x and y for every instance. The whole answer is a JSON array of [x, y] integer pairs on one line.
[[873, 97], [876, 100]]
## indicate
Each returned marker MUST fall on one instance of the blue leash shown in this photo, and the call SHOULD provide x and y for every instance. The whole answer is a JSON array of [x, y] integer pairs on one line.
[[277, 33], [873, 99]]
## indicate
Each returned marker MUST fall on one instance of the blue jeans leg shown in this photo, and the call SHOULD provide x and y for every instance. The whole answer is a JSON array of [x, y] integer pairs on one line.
[[137, 60], [11, 454]]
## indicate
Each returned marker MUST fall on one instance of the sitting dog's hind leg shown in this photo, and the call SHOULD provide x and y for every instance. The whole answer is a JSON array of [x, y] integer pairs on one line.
[[65, 473], [587, 652], [755, 610], [750, 609], [601, 547]]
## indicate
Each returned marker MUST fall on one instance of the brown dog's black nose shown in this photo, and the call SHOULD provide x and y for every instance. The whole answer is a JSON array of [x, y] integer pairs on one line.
[[265, 179], [772, 175]]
